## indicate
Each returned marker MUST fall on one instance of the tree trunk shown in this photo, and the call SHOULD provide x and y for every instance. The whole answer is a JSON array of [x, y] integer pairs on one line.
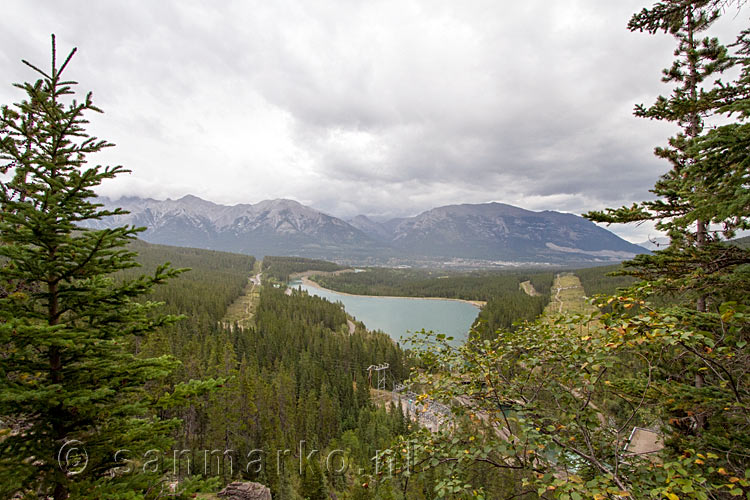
[[55, 368], [693, 131]]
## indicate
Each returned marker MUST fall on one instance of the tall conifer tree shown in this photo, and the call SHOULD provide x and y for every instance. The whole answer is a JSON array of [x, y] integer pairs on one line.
[[71, 391], [697, 198], [701, 202]]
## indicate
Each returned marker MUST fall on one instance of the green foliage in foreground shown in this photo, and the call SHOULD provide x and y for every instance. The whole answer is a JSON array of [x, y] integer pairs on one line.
[[280, 268], [551, 407]]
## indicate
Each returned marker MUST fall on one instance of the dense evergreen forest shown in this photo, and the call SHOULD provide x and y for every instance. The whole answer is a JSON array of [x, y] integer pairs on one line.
[[214, 281], [297, 375], [280, 268], [603, 280]]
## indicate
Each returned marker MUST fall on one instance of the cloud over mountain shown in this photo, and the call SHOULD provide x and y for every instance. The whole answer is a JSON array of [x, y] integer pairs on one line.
[[386, 108]]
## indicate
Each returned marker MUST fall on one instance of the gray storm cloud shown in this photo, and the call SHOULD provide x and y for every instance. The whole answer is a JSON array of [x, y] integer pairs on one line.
[[384, 107]]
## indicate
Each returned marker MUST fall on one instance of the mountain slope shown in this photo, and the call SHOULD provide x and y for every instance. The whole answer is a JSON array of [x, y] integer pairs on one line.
[[272, 227], [486, 232], [498, 231], [370, 227]]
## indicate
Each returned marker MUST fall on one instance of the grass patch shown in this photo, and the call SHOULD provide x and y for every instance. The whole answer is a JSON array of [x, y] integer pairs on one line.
[[242, 310], [568, 296]]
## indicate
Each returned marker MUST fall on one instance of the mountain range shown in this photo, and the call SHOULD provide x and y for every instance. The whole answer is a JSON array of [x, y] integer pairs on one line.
[[490, 233]]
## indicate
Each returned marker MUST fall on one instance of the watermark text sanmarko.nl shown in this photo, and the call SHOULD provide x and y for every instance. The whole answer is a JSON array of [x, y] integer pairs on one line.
[[73, 459]]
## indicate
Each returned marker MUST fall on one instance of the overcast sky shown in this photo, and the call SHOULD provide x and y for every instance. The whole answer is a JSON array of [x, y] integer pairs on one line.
[[374, 107]]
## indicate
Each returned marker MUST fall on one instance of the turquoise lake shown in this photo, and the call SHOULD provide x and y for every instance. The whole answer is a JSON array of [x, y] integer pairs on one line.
[[398, 316]]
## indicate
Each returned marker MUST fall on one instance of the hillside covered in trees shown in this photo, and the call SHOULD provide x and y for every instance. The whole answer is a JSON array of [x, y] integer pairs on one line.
[[280, 268], [296, 376]]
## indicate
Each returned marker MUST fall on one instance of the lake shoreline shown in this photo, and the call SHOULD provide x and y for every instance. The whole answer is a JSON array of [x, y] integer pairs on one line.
[[308, 282]]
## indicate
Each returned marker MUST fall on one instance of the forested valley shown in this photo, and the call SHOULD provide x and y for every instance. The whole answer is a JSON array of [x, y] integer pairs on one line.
[[124, 377], [296, 376]]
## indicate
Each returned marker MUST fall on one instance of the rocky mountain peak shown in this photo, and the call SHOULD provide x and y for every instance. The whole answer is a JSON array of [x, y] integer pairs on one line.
[[484, 232]]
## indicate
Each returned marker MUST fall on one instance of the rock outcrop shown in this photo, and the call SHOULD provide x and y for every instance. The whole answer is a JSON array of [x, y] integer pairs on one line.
[[245, 491]]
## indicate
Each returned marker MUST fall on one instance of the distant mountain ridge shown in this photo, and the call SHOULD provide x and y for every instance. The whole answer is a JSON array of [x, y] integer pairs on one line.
[[271, 227], [498, 230], [491, 232]]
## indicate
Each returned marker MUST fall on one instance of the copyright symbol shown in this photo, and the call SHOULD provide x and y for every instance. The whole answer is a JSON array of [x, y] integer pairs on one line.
[[72, 457]]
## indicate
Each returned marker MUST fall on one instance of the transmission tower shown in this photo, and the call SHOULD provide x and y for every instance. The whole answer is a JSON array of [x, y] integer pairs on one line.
[[381, 376]]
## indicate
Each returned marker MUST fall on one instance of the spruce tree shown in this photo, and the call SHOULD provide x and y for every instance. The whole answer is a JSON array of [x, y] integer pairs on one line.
[[702, 199], [313, 485], [697, 264], [72, 393]]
